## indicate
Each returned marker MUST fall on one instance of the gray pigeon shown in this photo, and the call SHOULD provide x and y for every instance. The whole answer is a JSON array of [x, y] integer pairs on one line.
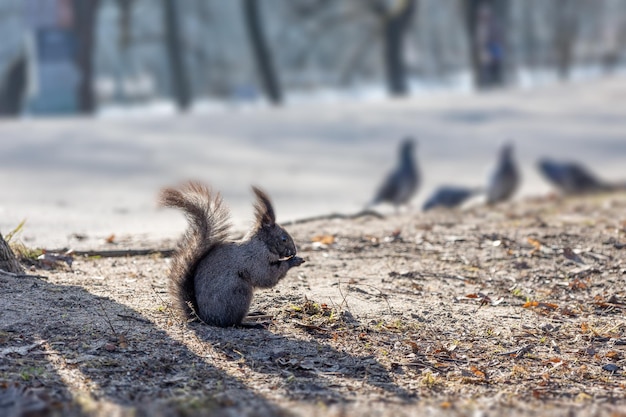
[[571, 178], [402, 183], [449, 197], [505, 178]]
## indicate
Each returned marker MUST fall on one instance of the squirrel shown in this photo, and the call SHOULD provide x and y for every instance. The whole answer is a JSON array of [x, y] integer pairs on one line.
[[213, 276]]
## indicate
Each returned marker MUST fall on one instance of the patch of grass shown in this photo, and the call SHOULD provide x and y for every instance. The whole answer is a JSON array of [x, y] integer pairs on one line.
[[195, 404], [31, 372], [395, 326], [25, 253], [429, 380], [5, 337], [312, 309], [518, 293], [14, 232]]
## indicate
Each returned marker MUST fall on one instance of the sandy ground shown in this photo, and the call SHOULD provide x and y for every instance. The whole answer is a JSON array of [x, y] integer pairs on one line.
[[100, 177], [513, 310], [516, 310]]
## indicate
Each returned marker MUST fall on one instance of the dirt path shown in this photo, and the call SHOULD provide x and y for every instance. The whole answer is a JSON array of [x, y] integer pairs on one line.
[[519, 308]]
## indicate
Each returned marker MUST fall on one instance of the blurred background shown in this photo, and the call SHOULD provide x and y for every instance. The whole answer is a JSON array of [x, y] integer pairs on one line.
[[68, 56], [307, 98]]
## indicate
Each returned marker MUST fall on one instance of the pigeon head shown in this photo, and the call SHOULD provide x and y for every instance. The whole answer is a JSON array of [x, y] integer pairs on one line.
[[406, 148], [506, 152], [551, 170], [546, 164]]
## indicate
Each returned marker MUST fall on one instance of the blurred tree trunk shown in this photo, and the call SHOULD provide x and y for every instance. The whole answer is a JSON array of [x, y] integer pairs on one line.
[[262, 53], [178, 69], [85, 14], [530, 45], [396, 19], [486, 21], [609, 23], [395, 27], [123, 67], [470, 11], [8, 261], [566, 26], [125, 8], [13, 87]]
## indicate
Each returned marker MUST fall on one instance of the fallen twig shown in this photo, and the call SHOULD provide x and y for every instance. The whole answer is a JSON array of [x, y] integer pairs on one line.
[[255, 318], [14, 275], [381, 294], [519, 352], [20, 350], [418, 364], [107, 319], [449, 276], [139, 319], [333, 216], [116, 253], [309, 326]]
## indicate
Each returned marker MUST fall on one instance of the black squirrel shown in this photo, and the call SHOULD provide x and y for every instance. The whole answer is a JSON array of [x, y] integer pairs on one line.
[[214, 276]]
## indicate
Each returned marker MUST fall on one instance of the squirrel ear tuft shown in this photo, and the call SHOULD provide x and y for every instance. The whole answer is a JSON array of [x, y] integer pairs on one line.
[[264, 211]]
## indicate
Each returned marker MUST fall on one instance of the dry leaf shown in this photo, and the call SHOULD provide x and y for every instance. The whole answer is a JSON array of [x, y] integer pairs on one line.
[[518, 370], [110, 239], [577, 284], [478, 373], [529, 304], [324, 239], [536, 245], [413, 345], [122, 343], [372, 239]]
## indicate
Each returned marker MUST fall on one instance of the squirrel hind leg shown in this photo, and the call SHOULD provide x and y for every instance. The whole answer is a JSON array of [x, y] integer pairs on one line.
[[222, 302]]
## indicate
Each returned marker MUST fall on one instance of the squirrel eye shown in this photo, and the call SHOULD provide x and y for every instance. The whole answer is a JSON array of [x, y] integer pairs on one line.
[[284, 238]]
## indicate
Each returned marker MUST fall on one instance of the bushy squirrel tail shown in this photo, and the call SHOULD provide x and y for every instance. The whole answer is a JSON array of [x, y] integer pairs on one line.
[[208, 227]]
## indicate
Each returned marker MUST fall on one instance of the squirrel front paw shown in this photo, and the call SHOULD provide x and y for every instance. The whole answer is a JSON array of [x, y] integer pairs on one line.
[[295, 261]]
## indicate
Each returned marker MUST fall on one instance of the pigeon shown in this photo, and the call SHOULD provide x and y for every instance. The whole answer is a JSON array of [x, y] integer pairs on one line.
[[402, 183], [449, 197], [505, 178], [571, 177]]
